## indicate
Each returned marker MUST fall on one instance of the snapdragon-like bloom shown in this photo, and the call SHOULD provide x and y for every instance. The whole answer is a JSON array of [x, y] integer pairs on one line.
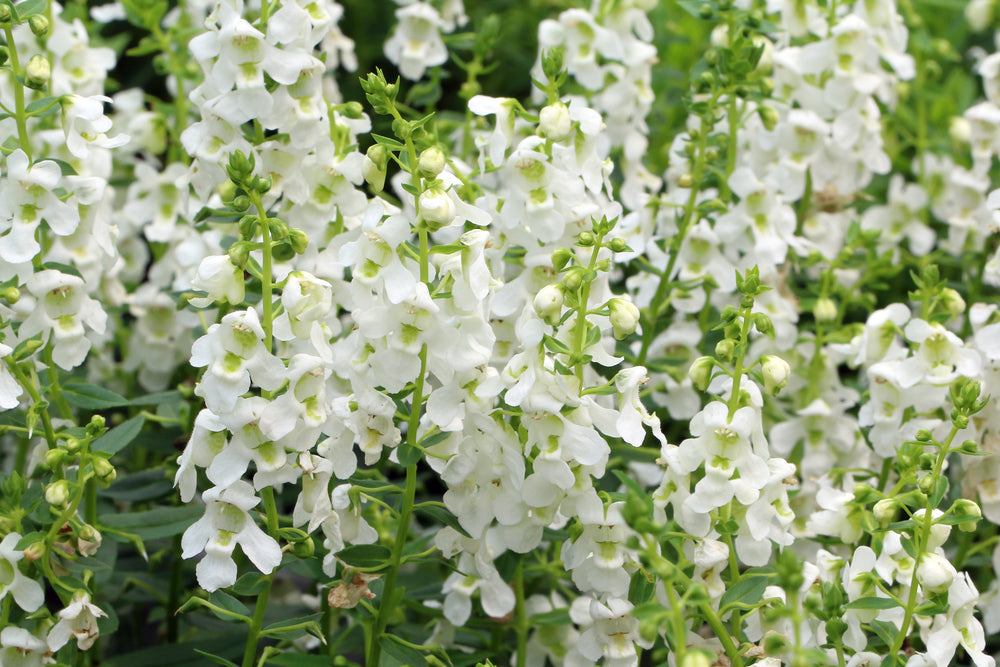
[[10, 390], [416, 43], [20, 648], [63, 308], [26, 592], [78, 619], [226, 523], [27, 196]]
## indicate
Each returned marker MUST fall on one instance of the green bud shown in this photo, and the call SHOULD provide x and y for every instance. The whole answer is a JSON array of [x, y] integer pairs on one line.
[[927, 484], [432, 162], [960, 421], [57, 493], [885, 510], [39, 25], [697, 658], [240, 203], [304, 549], [763, 324], [352, 110], [618, 244], [968, 447], [104, 471], [966, 507], [586, 239], [11, 295], [239, 253], [864, 493], [552, 63], [262, 183], [729, 313], [4, 53], [573, 278], [402, 128], [374, 166], [706, 11], [240, 166], [561, 257], [624, 318], [685, 181], [924, 435], [298, 240], [249, 227], [825, 310], [724, 349], [6, 15], [700, 372], [54, 458], [73, 445], [37, 72]]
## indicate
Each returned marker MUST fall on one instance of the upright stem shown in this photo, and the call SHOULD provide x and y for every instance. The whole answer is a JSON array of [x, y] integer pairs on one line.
[[257, 622], [19, 113]]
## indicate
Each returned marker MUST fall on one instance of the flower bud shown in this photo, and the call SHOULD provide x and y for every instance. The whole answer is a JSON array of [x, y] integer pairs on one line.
[[966, 507], [57, 493], [54, 458], [696, 658], [885, 510], [37, 72], [618, 244], [573, 278], [431, 162], [586, 239], [561, 257], [724, 349], [352, 110], [554, 122], [34, 551], [88, 540], [6, 15], [700, 372], [935, 573], [11, 295], [825, 310], [104, 471], [952, 301], [960, 130], [39, 25], [374, 166], [436, 207], [304, 549], [685, 181], [927, 484], [548, 303], [624, 318], [775, 371]]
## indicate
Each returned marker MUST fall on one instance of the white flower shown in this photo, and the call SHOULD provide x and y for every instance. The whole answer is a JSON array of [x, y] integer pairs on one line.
[[416, 42], [221, 279], [26, 198], [63, 308], [78, 619], [21, 648], [225, 524], [26, 592], [86, 125], [10, 390]]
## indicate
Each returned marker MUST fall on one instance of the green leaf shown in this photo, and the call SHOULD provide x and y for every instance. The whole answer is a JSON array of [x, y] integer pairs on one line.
[[442, 515], [217, 659], [309, 625], [65, 167], [155, 524], [886, 631], [365, 555], [43, 107], [388, 142], [593, 336], [158, 398], [144, 485], [120, 436], [395, 654], [29, 8], [555, 345], [300, 660], [955, 519], [91, 397], [229, 603], [748, 590], [407, 454], [554, 617], [940, 488], [68, 269], [435, 438], [250, 583], [872, 603]]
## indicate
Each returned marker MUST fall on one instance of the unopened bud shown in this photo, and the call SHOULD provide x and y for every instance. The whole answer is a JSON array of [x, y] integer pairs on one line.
[[54, 458], [39, 25], [304, 549], [37, 72], [586, 239], [927, 484], [573, 278], [618, 244], [104, 471], [700, 372], [548, 303], [724, 349], [624, 318], [775, 372], [561, 257], [885, 510], [554, 122], [298, 240], [952, 301], [825, 310], [935, 573], [6, 15], [436, 207], [11, 295], [432, 162], [57, 493], [34, 551], [374, 166], [966, 507]]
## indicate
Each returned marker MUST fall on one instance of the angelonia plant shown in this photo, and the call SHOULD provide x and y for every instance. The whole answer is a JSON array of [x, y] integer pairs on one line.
[[431, 333]]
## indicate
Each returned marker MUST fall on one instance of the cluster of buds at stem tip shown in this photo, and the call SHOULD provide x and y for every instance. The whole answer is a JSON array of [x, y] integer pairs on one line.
[[380, 93], [240, 171]]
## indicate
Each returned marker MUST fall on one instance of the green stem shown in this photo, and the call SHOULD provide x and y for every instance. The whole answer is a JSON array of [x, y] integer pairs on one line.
[[20, 116], [520, 615], [741, 351], [580, 326], [257, 622], [266, 280]]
